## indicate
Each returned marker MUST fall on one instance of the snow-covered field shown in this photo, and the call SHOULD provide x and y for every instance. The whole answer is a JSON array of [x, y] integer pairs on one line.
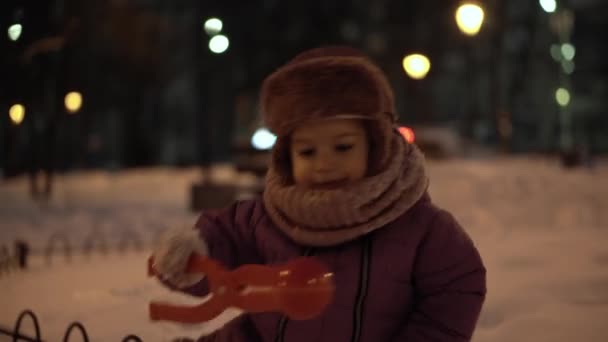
[[542, 231]]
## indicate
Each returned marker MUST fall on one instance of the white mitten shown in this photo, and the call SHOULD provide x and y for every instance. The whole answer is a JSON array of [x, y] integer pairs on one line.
[[172, 253]]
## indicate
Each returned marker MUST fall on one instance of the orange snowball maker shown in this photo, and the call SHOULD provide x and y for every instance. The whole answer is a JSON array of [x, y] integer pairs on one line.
[[301, 289]]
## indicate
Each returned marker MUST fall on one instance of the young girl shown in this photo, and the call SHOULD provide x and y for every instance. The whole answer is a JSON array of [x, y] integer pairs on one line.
[[345, 187]]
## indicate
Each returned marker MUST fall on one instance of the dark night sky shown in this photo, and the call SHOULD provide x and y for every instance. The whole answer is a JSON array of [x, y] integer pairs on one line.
[[136, 53]]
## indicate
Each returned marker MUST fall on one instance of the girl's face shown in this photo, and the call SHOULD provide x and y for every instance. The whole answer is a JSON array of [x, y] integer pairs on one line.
[[329, 153]]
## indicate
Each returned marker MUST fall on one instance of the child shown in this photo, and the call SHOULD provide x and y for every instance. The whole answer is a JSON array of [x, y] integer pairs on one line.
[[344, 186]]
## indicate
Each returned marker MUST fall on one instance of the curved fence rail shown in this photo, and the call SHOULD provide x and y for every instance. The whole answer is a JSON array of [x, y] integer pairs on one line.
[[60, 243], [17, 335]]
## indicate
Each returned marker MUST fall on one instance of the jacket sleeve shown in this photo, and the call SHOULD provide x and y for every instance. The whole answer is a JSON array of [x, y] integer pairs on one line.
[[229, 235], [450, 283]]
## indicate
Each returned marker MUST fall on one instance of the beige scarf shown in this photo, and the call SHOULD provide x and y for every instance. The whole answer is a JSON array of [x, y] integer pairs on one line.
[[315, 217]]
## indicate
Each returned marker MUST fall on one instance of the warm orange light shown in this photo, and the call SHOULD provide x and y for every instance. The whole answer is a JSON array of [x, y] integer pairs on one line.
[[408, 134], [469, 18], [17, 113], [416, 65], [73, 101]]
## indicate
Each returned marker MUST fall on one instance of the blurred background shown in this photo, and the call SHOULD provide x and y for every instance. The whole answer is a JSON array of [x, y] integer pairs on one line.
[[131, 83]]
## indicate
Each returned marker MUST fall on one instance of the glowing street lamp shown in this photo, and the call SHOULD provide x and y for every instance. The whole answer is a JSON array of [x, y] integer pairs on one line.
[[73, 102], [17, 113], [469, 18], [219, 44], [562, 96], [262, 139], [568, 51], [416, 66], [14, 32], [548, 6], [213, 26]]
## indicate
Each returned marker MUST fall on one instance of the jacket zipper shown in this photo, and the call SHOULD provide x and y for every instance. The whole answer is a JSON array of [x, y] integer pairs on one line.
[[360, 299], [362, 291], [280, 337]]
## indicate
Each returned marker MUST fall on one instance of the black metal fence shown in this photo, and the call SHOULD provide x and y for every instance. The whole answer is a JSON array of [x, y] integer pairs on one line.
[[59, 243], [18, 260], [75, 328]]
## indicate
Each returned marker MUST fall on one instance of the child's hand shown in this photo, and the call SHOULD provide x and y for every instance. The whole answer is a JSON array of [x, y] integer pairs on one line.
[[172, 253]]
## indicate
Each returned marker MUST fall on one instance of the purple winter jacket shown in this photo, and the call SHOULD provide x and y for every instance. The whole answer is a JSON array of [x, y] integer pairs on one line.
[[419, 278]]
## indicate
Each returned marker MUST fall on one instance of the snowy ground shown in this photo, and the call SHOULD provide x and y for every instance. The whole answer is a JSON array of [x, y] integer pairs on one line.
[[542, 231]]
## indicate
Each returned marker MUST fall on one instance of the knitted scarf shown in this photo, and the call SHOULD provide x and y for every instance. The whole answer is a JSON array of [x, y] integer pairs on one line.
[[326, 217]]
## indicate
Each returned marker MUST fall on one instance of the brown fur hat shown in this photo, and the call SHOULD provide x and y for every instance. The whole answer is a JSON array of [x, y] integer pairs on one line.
[[325, 83]]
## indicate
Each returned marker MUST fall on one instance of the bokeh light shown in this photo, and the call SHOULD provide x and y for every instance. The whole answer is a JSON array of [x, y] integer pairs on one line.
[[262, 139], [408, 134], [17, 113], [568, 67], [73, 101], [416, 66], [562, 96], [548, 6], [469, 17], [219, 44], [556, 52], [213, 26], [14, 32], [568, 51]]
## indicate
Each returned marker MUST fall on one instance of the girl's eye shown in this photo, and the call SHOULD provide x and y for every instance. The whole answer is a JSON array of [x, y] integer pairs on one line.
[[308, 152], [343, 147]]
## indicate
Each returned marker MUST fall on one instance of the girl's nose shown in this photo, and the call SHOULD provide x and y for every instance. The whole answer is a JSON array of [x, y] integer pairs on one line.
[[325, 171], [324, 162]]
